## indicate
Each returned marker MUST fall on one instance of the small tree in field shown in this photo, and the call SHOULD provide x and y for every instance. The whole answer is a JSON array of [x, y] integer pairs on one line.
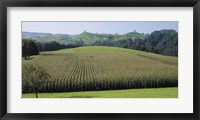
[[35, 76]]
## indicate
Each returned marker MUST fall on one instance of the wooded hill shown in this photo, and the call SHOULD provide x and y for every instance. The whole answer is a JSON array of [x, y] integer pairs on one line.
[[86, 37], [163, 42]]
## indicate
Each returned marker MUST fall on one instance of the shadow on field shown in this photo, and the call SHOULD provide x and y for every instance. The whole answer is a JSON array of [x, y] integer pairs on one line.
[[49, 54], [30, 58], [82, 96]]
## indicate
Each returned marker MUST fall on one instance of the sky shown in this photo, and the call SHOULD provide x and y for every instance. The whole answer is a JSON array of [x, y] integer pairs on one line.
[[97, 27]]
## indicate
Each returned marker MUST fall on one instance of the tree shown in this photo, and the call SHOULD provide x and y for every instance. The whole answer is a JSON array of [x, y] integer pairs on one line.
[[25, 48], [29, 47], [34, 77]]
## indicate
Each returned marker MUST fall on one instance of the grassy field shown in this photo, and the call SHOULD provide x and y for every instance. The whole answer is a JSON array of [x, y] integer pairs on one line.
[[104, 68], [129, 93]]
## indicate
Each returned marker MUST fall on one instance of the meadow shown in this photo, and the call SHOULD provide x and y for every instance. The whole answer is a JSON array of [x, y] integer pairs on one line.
[[93, 68], [127, 93]]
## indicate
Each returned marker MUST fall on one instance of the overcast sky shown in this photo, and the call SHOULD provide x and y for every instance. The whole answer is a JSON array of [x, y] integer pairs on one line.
[[99, 27]]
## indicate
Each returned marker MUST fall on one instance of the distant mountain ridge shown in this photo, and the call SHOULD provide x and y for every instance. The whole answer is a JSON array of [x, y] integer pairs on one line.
[[87, 37], [34, 34], [45, 37]]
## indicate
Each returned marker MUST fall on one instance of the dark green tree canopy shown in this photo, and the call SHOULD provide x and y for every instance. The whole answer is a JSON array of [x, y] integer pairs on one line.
[[163, 42], [29, 47]]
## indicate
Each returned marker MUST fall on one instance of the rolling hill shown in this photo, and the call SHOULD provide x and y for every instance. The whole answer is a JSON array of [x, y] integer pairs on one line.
[[86, 37], [46, 37], [163, 42]]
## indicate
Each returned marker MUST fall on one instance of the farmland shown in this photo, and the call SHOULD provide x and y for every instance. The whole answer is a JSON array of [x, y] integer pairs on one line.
[[95, 68]]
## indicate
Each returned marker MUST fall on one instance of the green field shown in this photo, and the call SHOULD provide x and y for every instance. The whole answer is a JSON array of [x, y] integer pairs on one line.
[[129, 93], [105, 68]]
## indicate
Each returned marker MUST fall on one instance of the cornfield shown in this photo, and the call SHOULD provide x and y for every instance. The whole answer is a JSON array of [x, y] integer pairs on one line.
[[104, 68]]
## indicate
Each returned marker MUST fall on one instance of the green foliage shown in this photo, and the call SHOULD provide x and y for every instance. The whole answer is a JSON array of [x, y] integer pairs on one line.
[[50, 46], [29, 47], [163, 42], [105, 68], [33, 78]]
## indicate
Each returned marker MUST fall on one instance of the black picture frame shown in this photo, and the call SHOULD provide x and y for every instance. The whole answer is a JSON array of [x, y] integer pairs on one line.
[[99, 3]]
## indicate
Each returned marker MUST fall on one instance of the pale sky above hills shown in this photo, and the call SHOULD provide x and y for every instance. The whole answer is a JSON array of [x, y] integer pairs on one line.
[[99, 27]]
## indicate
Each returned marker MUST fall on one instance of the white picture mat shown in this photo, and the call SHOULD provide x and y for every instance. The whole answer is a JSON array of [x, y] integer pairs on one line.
[[182, 104]]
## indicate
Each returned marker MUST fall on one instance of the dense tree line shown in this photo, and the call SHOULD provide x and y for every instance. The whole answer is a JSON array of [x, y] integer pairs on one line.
[[163, 42], [48, 46], [31, 47]]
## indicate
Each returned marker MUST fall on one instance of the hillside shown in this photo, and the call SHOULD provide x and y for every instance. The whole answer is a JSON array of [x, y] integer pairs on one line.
[[46, 37], [163, 42], [132, 35], [86, 37], [34, 34], [104, 68]]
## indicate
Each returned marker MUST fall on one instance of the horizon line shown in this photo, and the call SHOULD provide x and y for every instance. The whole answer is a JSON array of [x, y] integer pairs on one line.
[[97, 32]]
